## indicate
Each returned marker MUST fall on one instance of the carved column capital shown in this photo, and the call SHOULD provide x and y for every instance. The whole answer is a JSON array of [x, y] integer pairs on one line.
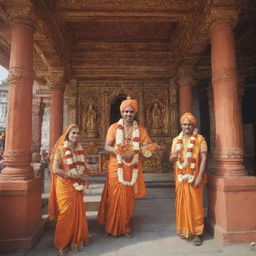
[[185, 77], [22, 20], [20, 13], [57, 81], [220, 16]]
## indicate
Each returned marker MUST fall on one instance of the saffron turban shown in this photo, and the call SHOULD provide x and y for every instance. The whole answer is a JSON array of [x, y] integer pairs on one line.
[[129, 103], [188, 116]]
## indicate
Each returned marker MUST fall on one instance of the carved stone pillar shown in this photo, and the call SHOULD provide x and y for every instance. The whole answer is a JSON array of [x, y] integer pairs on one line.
[[19, 124], [57, 104], [72, 101], [20, 193], [227, 111], [212, 120], [37, 120], [231, 193], [173, 107], [185, 82]]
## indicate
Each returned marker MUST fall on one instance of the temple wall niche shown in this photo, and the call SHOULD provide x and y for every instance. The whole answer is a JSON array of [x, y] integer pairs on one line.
[[157, 103]]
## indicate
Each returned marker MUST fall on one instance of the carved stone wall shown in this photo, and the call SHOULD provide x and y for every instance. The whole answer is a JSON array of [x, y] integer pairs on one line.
[[157, 100]]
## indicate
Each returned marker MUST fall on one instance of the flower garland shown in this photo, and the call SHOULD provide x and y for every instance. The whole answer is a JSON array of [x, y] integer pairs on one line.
[[136, 148], [188, 157], [76, 163]]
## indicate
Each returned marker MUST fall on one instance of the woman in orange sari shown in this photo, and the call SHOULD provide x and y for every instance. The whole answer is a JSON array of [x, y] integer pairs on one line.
[[125, 180], [189, 153], [68, 185]]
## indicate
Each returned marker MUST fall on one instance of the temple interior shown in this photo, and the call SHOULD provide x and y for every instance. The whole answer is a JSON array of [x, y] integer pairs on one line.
[[75, 61]]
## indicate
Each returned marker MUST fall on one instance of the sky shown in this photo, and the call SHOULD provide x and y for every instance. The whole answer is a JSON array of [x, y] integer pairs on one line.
[[3, 73]]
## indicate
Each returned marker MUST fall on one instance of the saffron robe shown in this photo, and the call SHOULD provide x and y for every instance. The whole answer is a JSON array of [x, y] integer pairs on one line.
[[189, 200], [117, 202], [71, 225]]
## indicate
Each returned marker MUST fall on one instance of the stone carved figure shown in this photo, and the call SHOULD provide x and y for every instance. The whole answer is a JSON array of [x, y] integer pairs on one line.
[[155, 118], [90, 121]]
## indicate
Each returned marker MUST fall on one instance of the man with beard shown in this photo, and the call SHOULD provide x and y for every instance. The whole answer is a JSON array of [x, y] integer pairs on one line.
[[125, 142]]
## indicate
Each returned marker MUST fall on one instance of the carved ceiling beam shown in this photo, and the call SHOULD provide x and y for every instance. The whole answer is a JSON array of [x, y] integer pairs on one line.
[[43, 57], [193, 36], [49, 29], [127, 74], [3, 14], [131, 16], [124, 5]]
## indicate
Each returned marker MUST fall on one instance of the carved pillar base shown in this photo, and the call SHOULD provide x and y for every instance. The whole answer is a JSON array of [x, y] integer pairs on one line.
[[20, 222], [17, 165], [232, 208]]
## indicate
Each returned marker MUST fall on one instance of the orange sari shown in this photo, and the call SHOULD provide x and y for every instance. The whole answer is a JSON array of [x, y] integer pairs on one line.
[[117, 202], [189, 200], [66, 204]]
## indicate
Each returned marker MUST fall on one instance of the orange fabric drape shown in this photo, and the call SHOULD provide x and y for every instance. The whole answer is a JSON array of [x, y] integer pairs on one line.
[[189, 200], [66, 204], [117, 202]]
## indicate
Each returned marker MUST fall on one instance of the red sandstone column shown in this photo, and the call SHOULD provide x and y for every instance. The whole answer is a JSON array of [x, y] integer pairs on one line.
[[37, 118], [19, 125], [20, 193], [56, 112], [229, 136], [185, 92]]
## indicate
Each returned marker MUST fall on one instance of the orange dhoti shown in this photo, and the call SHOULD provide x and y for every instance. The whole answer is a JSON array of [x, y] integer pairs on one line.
[[189, 209], [189, 200], [118, 200]]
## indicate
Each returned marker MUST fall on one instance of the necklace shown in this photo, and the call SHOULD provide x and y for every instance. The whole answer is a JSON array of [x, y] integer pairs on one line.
[[136, 148], [188, 157]]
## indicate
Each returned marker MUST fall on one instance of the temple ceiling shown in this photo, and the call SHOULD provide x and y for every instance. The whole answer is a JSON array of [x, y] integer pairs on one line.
[[87, 39]]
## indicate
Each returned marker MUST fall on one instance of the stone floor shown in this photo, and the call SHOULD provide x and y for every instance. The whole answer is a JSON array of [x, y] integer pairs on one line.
[[154, 230]]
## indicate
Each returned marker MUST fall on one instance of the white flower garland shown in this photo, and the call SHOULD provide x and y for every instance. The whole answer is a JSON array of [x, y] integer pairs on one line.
[[79, 168], [190, 178], [136, 148]]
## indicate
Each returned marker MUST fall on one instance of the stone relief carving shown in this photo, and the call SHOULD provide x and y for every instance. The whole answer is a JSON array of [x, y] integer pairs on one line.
[[153, 109], [90, 120], [157, 113], [156, 118]]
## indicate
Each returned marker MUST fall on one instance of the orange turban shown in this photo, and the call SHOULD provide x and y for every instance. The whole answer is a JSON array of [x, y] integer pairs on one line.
[[188, 116], [129, 103]]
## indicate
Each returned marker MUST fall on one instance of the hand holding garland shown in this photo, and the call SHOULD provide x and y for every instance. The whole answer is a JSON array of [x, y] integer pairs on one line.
[[174, 156]]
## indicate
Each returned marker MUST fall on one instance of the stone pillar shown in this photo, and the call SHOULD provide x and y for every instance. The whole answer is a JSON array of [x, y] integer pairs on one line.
[[231, 193], [227, 109], [185, 82], [71, 93], [174, 128], [37, 120], [57, 104], [20, 193]]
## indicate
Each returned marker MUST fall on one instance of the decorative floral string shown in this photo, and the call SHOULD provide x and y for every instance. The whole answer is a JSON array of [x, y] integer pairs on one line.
[[136, 149], [76, 163], [188, 157]]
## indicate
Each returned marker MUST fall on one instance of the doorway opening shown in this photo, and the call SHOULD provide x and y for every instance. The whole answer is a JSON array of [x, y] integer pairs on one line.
[[115, 114]]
